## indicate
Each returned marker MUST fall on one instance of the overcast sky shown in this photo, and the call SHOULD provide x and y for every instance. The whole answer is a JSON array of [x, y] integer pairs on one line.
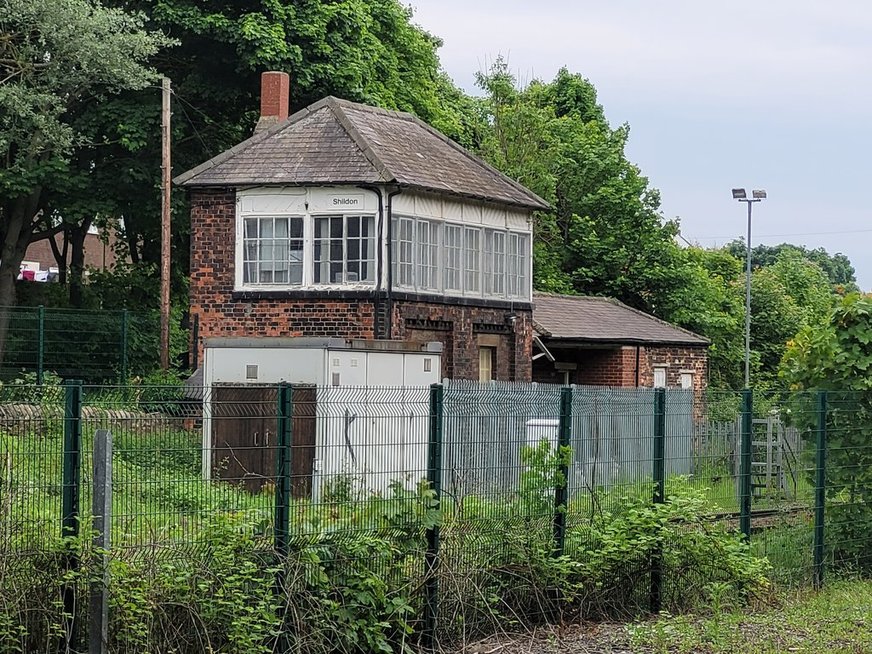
[[773, 95]]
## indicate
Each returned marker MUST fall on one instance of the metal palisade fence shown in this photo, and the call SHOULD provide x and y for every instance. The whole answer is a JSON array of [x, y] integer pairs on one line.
[[425, 486]]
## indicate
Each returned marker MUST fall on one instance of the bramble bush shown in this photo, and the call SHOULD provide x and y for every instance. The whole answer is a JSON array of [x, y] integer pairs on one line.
[[353, 579]]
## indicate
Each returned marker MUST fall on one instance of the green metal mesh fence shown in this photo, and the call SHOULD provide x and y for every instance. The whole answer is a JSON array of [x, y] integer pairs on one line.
[[95, 345], [448, 494]]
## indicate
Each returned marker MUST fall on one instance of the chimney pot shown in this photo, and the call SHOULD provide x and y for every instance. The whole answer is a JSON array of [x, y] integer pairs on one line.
[[274, 98]]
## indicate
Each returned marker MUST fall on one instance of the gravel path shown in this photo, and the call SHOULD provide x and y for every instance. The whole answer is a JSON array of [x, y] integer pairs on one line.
[[592, 638]]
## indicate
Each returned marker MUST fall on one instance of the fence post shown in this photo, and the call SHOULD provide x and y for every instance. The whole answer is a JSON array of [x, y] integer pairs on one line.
[[659, 473], [101, 510], [745, 464], [72, 457], [125, 319], [561, 489], [820, 481], [434, 478], [283, 468], [40, 345]]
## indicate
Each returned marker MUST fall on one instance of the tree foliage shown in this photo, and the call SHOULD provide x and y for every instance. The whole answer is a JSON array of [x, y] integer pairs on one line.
[[56, 56], [365, 51], [836, 356], [837, 266], [605, 234]]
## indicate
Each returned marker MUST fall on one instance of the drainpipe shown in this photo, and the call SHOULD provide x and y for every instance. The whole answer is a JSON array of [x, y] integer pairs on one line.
[[380, 262], [390, 260]]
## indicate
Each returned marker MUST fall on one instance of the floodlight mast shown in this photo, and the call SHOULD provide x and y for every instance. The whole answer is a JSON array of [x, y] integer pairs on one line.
[[741, 195]]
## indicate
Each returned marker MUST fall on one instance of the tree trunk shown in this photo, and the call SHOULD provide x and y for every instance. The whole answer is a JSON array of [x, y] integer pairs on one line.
[[16, 237], [77, 235], [60, 255]]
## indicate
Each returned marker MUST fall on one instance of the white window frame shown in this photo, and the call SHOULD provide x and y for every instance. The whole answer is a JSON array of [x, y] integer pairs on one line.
[[427, 276], [470, 255], [260, 241], [452, 239], [308, 282], [686, 379], [660, 371], [372, 260], [517, 265]]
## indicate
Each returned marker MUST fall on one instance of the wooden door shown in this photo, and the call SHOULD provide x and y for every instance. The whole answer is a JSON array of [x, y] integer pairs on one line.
[[303, 438], [244, 420], [245, 437]]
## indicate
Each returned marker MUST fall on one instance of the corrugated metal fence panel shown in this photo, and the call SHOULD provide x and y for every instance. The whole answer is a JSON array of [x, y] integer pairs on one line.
[[679, 432], [612, 435], [487, 425], [485, 429]]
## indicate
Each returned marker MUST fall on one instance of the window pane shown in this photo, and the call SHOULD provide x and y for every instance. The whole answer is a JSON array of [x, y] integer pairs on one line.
[[360, 249], [281, 228], [251, 228], [428, 263], [403, 251], [270, 254], [344, 249], [328, 260], [499, 263], [488, 262], [266, 227], [517, 261], [472, 247], [523, 288], [453, 258], [486, 356]]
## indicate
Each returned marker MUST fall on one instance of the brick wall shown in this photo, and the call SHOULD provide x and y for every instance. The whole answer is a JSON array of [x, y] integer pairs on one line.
[[97, 254], [461, 328], [617, 366], [679, 359]]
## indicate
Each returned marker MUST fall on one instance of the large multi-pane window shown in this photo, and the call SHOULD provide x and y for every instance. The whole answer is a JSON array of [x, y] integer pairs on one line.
[[273, 250], [344, 250], [431, 255]]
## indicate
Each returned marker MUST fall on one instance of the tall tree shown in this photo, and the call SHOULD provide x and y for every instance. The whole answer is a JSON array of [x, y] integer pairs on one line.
[[54, 55], [837, 266], [605, 235], [361, 50]]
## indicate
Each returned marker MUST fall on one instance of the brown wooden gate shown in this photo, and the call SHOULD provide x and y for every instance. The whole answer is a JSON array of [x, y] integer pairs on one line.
[[244, 437]]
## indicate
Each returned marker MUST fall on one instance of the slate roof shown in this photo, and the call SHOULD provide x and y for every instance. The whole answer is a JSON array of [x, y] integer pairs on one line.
[[586, 319], [339, 142]]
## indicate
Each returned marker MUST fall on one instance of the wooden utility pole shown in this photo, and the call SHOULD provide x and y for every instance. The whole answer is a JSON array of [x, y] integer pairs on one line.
[[165, 233]]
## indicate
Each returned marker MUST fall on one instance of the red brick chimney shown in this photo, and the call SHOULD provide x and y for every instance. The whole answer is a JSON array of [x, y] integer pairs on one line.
[[274, 95]]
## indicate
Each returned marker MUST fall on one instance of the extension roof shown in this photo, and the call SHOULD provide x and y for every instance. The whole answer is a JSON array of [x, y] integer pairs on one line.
[[604, 321], [335, 142]]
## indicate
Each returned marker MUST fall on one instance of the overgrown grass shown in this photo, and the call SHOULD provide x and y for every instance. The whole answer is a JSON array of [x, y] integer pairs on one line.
[[837, 620]]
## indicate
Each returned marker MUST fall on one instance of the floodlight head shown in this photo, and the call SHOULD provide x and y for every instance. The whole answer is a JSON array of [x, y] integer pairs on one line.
[[758, 194], [739, 194]]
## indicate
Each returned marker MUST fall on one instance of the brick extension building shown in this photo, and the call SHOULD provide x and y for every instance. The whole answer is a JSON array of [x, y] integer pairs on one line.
[[602, 342], [345, 220]]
